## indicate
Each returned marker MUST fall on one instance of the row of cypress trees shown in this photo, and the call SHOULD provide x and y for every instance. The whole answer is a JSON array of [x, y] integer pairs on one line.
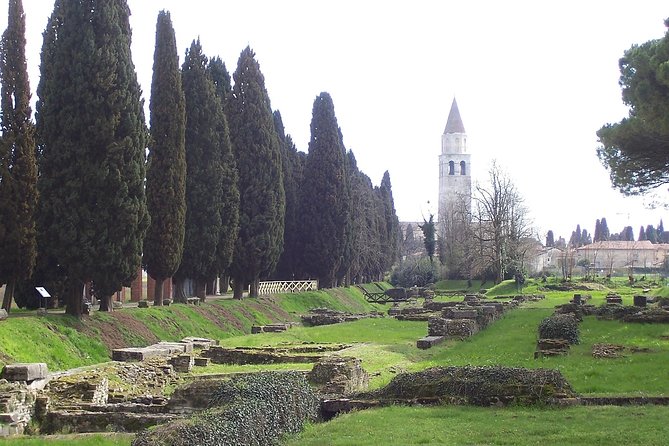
[[224, 191]]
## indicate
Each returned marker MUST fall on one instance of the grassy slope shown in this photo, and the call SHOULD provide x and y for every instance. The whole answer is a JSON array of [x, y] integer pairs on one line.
[[64, 342]]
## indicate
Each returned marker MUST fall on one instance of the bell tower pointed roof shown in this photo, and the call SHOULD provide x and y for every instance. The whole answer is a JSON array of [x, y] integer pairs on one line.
[[454, 123]]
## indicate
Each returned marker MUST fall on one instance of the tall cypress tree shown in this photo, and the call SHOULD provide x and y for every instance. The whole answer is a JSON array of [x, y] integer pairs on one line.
[[642, 234], [392, 224], [229, 175], [605, 234], [166, 171], [598, 231], [221, 78], [258, 156], [18, 168], [92, 137], [293, 165], [324, 203], [205, 135]]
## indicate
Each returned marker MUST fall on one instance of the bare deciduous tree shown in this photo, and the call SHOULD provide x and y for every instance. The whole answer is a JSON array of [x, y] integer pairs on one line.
[[500, 225]]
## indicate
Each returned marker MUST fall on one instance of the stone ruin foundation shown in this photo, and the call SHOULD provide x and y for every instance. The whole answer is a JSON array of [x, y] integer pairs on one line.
[[325, 316], [460, 320]]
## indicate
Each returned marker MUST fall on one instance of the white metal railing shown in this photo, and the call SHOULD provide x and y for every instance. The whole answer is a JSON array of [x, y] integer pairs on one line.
[[286, 286]]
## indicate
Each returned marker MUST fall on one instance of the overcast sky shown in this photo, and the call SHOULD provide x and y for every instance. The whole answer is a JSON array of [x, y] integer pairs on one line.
[[534, 81]]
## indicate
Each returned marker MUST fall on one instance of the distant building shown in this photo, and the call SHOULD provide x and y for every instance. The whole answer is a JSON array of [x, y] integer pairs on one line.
[[544, 260], [455, 168], [611, 255]]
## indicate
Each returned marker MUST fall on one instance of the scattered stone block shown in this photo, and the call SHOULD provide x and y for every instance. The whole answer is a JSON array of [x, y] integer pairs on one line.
[[3, 314], [339, 375], [551, 347], [140, 354], [25, 372], [200, 343], [640, 301], [271, 328], [182, 363], [607, 350], [116, 304], [429, 342], [176, 347], [193, 300], [201, 362], [143, 304], [614, 299]]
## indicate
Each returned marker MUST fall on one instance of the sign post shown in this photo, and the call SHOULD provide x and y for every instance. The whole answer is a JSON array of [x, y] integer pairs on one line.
[[44, 294]]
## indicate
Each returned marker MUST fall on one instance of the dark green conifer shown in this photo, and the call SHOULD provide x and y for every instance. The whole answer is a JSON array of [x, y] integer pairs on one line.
[[219, 74], [262, 197], [392, 225], [92, 138], [324, 204], [205, 136], [166, 171], [230, 198], [293, 166], [18, 168]]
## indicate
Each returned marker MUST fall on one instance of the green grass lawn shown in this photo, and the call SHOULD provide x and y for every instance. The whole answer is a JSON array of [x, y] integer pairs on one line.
[[449, 425]]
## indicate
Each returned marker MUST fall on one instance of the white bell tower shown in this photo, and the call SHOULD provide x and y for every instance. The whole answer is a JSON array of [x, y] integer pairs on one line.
[[455, 180]]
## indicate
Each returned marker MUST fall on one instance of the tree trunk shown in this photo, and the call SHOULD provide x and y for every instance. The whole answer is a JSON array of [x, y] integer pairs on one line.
[[224, 284], [74, 298], [106, 303], [179, 295], [9, 295], [253, 289], [238, 292], [158, 293], [201, 289]]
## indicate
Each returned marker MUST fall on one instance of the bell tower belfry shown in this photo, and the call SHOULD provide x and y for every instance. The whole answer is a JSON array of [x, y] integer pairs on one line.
[[455, 180]]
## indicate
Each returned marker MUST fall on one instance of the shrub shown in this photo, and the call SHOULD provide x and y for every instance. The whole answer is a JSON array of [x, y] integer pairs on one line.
[[560, 326], [414, 273], [251, 409]]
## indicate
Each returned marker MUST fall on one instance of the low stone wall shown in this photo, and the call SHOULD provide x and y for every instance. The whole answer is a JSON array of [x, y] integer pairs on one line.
[[222, 355], [85, 421], [271, 328], [452, 328], [325, 316], [481, 386]]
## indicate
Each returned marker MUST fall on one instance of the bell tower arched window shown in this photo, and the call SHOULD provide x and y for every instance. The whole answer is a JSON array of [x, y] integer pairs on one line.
[[463, 168], [451, 168]]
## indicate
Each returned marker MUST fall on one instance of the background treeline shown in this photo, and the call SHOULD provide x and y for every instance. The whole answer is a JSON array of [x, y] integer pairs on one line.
[[581, 237], [224, 192]]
